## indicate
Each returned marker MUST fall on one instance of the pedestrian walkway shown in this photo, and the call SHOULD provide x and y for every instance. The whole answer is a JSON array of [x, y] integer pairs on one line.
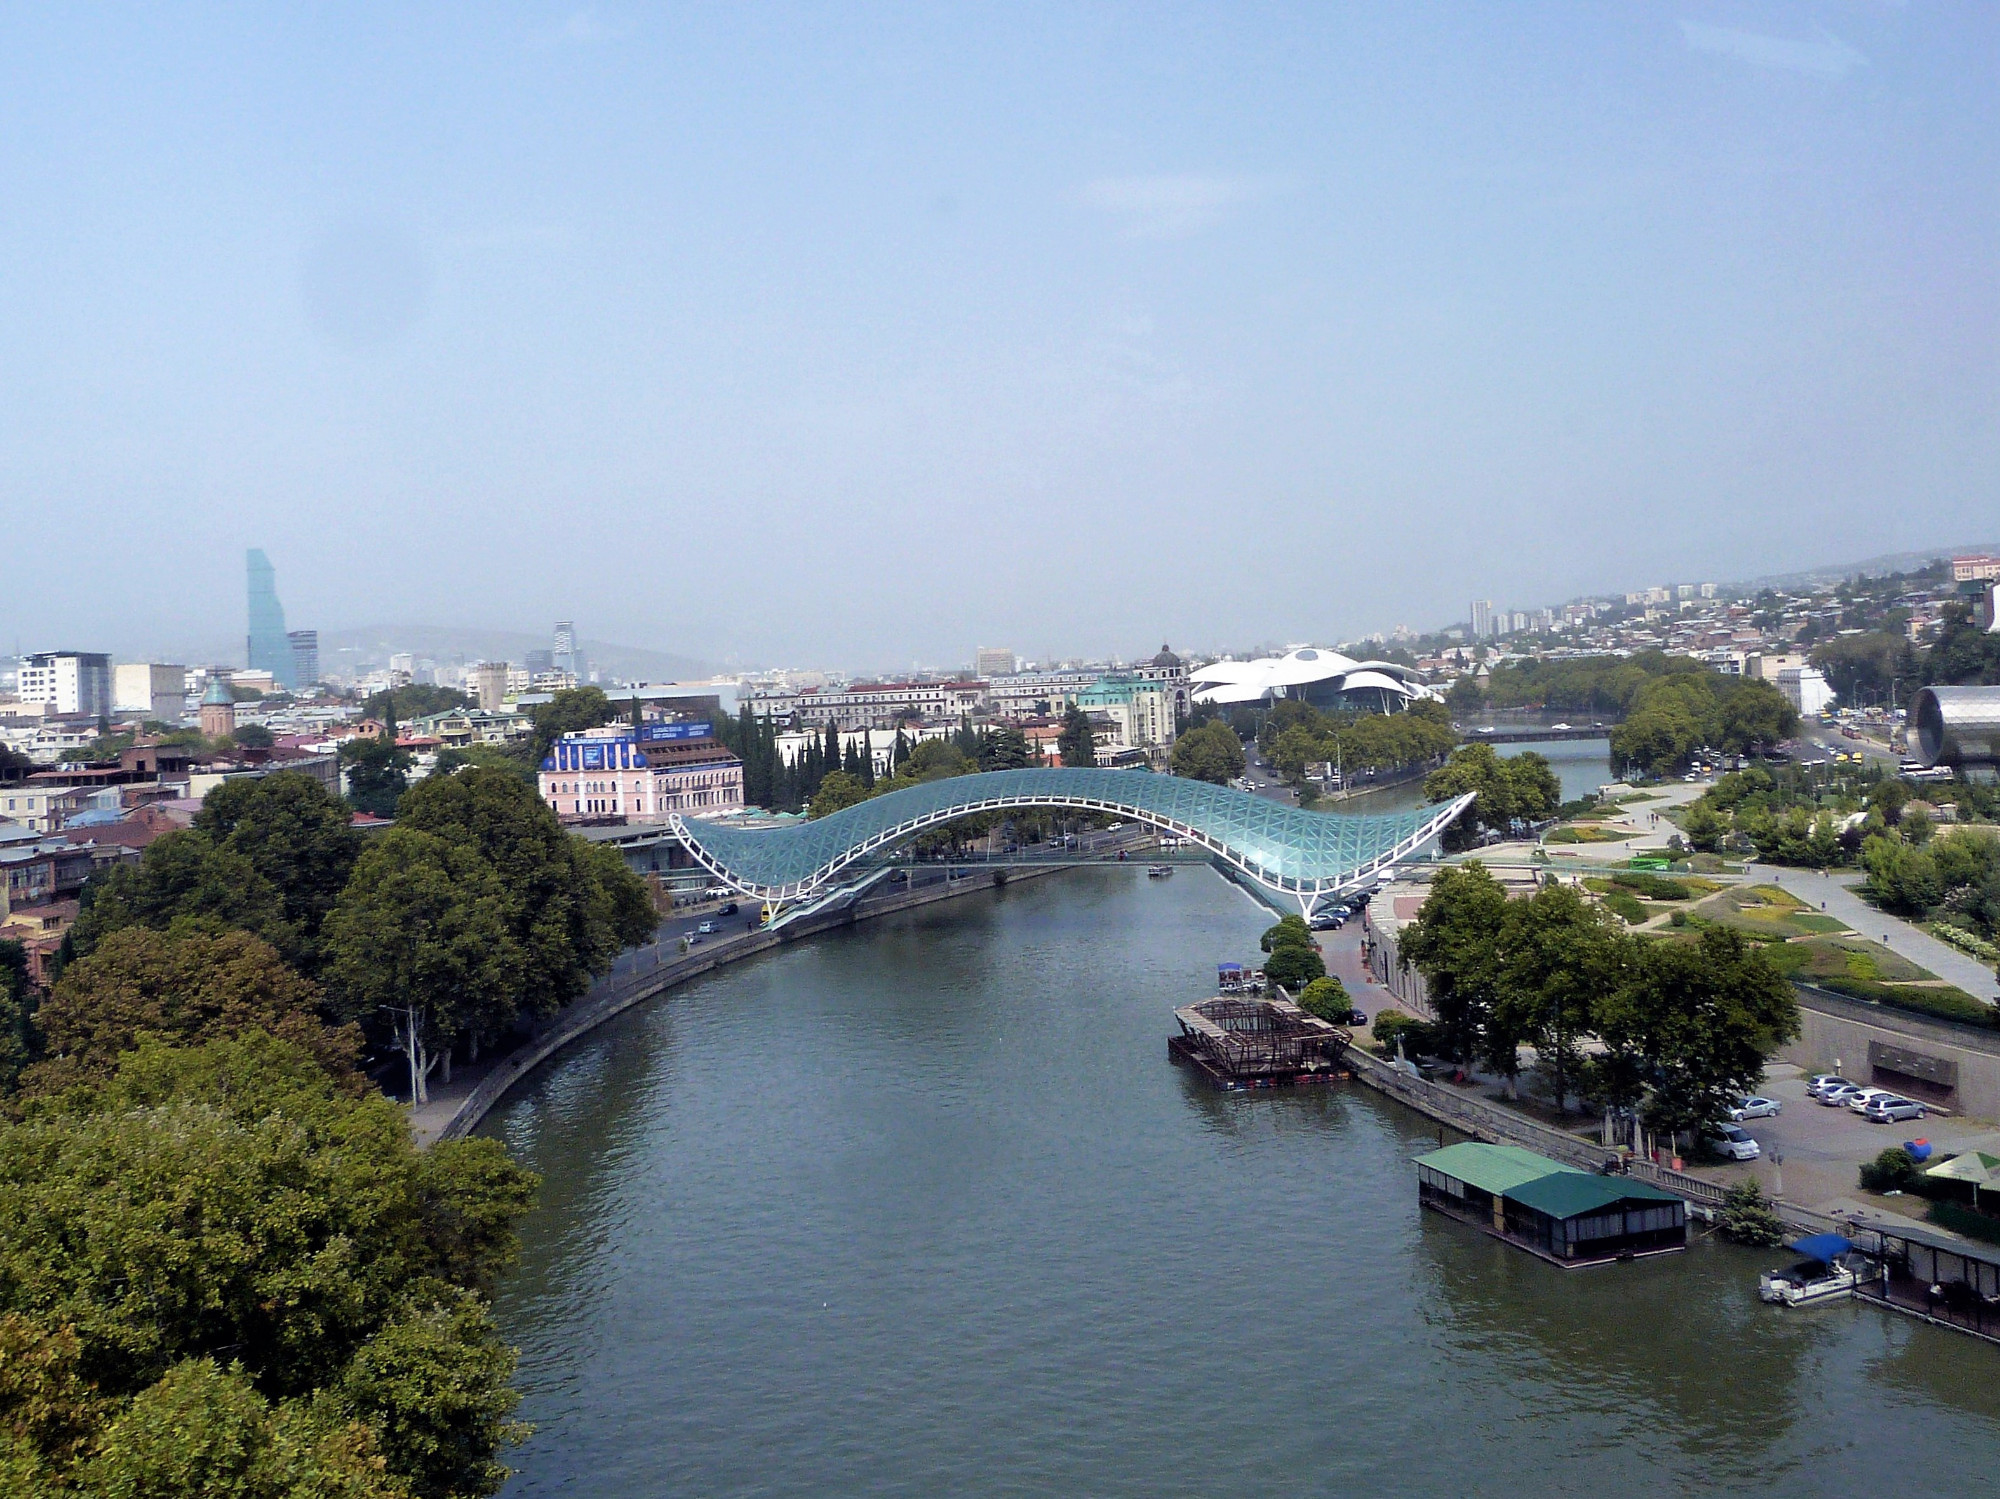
[[1901, 937]]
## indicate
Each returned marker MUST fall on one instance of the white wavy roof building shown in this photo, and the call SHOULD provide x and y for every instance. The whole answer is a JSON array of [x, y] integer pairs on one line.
[[1324, 678]]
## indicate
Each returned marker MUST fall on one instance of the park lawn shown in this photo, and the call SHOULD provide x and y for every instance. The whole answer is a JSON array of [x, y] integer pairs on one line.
[[1768, 913]]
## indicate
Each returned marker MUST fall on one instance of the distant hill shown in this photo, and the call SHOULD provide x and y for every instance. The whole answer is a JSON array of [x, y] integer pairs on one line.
[[1893, 562], [372, 645]]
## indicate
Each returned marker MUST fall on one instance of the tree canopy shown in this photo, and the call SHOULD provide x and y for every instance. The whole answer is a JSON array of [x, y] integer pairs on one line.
[[222, 1274], [1507, 787], [1685, 1026], [186, 986], [1209, 752], [1077, 743]]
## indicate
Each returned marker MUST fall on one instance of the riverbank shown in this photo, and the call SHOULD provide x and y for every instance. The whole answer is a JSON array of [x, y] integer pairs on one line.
[[455, 1109]]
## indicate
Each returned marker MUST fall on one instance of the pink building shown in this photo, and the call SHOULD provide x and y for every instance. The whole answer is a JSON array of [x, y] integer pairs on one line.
[[664, 768]]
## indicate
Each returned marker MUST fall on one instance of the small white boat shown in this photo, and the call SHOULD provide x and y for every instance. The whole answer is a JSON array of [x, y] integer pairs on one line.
[[1829, 1270], [1158, 871]]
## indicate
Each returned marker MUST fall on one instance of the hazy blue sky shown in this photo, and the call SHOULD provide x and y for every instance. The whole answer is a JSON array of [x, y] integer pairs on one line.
[[859, 335]]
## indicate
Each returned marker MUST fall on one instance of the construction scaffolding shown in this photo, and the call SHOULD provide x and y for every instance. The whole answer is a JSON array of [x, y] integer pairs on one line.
[[1241, 1042]]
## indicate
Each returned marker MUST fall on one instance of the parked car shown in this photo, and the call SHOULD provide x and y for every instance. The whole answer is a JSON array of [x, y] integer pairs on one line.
[[1754, 1107], [1734, 1142], [1819, 1082], [1860, 1098], [1890, 1110], [1835, 1098], [1357, 1018], [708, 929]]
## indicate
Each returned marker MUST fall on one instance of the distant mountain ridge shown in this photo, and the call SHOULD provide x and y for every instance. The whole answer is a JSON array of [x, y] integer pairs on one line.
[[1891, 562], [373, 645]]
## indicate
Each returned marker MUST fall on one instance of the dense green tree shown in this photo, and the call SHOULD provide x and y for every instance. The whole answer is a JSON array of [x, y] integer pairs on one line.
[[231, 1202], [837, 791], [1705, 827], [569, 911], [432, 1388], [1077, 743], [1558, 955], [186, 876], [185, 986], [416, 700], [294, 832], [1294, 964], [377, 774], [1287, 929], [19, 1036], [1455, 944], [1209, 752], [1701, 1019], [422, 936], [204, 1432], [1506, 788], [1327, 998], [1004, 748], [252, 736]]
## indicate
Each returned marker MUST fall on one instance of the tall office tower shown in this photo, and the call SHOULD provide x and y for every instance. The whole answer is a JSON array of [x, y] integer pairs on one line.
[[992, 661], [305, 657], [565, 651], [269, 649], [1482, 618]]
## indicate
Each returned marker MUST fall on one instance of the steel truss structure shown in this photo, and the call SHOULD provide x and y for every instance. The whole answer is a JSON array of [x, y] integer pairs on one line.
[[1302, 856]]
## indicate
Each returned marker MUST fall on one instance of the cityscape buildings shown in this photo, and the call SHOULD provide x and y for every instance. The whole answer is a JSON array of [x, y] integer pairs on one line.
[[158, 691], [305, 657]]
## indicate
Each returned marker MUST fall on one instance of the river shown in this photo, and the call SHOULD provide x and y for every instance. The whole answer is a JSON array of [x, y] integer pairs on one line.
[[1582, 765], [923, 1209]]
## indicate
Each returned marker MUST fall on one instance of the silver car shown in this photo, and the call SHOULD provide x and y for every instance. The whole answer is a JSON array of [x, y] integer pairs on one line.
[[1889, 1110], [1754, 1107], [1857, 1102], [1734, 1142]]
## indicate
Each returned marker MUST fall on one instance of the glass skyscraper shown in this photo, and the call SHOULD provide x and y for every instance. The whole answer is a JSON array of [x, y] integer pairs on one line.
[[270, 649]]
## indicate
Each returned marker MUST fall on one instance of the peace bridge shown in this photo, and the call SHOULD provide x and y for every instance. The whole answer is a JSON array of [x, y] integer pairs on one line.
[[1288, 854]]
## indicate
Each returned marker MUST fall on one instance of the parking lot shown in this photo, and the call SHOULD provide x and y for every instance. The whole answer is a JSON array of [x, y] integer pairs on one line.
[[1824, 1147]]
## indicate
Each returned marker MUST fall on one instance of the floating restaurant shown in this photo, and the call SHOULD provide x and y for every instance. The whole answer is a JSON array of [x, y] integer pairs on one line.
[[1569, 1217], [1240, 1042]]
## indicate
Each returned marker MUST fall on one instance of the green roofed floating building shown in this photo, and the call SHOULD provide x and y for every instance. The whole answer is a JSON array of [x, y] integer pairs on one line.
[[1570, 1217], [1290, 854]]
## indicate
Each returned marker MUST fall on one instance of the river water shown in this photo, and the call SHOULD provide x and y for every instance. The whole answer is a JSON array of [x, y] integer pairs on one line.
[[1582, 765], [923, 1209]]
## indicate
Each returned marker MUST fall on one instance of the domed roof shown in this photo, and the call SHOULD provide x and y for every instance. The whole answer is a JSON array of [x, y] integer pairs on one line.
[[1166, 657], [218, 694]]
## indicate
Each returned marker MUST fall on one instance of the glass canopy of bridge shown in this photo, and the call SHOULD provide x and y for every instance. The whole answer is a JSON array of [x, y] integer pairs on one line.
[[1307, 854]]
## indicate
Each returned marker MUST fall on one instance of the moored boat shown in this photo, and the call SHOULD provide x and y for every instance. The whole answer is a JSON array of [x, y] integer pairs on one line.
[[1828, 1269]]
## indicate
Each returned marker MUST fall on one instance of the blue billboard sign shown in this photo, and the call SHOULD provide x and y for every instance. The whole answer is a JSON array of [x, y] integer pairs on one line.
[[655, 733]]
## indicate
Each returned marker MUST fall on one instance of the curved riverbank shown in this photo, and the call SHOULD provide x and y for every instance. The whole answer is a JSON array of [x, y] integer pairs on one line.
[[456, 1111]]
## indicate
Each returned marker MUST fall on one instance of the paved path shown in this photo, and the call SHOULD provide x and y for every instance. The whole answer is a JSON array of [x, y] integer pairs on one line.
[[1900, 937]]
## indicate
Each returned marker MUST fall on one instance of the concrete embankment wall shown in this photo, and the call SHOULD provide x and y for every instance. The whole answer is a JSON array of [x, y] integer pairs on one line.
[[1939, 1063], [615, 996]]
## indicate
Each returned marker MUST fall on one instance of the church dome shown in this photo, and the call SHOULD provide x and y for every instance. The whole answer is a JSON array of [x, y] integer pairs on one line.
[[1166, 657]]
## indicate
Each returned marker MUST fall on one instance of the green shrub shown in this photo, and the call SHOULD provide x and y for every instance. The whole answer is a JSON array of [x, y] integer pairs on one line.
[[1652, 886], [1327, 998], [1891, 1171], [1419, 1039], [1627, 906], [1749, 1218], [1944, 1002]]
